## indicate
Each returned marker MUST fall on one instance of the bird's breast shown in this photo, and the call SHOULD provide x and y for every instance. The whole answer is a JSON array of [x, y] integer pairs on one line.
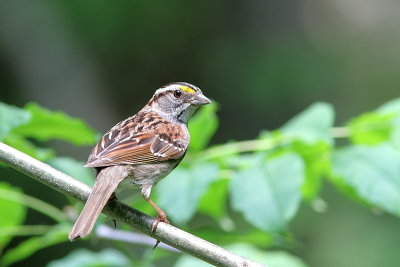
[[149, 173]]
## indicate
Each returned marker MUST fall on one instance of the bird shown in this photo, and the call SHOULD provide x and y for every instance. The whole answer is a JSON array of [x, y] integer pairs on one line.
[[141, 150]]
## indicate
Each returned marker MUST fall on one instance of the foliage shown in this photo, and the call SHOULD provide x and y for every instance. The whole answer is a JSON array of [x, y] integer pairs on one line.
[[14, 210], [81, 257], [263, 182], [247, 192]]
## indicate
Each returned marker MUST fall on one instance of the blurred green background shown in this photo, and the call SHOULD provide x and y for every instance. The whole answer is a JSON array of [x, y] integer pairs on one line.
[[262, 61]]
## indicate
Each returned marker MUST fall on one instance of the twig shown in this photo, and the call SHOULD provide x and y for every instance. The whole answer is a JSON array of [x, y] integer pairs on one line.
[[229, 149], [239, 147], [24, 230], [166, 233], [340, 132]]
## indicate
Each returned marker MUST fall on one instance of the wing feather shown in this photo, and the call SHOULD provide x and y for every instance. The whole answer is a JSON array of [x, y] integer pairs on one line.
[[152, 146]]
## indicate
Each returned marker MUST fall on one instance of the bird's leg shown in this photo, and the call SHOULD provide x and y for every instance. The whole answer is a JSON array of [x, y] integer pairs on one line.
[[161, 217]]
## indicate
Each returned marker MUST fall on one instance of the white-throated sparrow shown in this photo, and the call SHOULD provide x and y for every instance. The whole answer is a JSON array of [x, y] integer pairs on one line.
[[141, 150]]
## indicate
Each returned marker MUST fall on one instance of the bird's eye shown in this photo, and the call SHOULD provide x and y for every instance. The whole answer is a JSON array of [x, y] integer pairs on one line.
[[177, 93]]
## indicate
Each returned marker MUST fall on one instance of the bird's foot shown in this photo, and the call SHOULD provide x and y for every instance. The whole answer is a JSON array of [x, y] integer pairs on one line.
[[162, 217]]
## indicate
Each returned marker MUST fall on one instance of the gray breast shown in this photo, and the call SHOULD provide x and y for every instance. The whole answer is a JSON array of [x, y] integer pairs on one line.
[[150, 173]]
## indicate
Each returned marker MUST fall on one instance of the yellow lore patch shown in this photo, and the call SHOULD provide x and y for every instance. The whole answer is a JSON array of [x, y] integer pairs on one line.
[[187, 89]]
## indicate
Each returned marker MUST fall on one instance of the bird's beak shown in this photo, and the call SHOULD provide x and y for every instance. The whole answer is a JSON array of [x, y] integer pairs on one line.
[[200, 100]]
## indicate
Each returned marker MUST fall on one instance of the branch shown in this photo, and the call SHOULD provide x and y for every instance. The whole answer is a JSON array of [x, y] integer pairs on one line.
[[166, 233]]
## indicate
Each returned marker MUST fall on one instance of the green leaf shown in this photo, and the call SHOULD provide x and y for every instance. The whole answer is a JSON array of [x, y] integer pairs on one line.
[[395, 138], [249, 235], [283, 259], [378, 126], [269, 193], [11, 117], [23, 145], [187, 260], [371, 128], [393, 106], [73, 168], [30, 246], [243, 161], [202, 127], [213, 203], [373, 172], [317, 159], [312, 125], [179, 194], [270, 259], [87, 258], [13, 213], [45, 125], [33, 203]]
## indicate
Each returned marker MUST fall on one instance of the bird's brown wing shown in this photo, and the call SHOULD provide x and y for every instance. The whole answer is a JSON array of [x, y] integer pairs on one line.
[[159, 144]]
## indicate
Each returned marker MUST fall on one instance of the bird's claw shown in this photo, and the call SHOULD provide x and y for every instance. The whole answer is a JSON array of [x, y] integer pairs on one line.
[[160, 218]]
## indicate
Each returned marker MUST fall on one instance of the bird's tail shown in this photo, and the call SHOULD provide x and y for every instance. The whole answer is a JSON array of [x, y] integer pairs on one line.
[[107, 181]]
